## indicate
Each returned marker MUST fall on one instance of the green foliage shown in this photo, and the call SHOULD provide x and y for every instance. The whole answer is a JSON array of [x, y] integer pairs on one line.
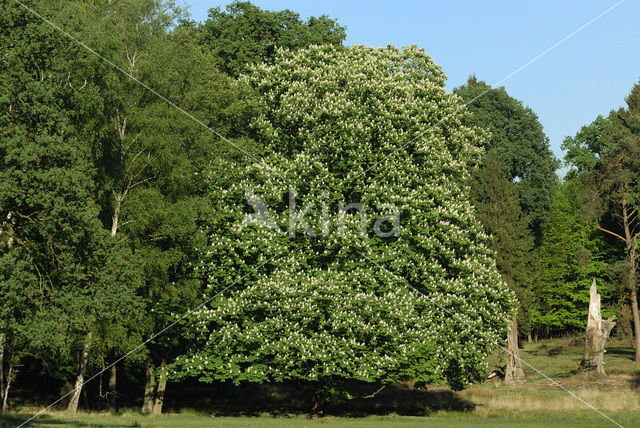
[[583, 149], [496, 201], [118, 211], [150, 155], [54, 282], [323, 307], [613, 193], [521, 144], [613, 184], [571, 254], [246, 35], [102, 186], [589, 235]]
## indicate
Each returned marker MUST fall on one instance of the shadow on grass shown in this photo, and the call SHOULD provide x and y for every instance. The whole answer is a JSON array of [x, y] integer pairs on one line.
[[403, 401], [628, 353], [290, 399], [15, 419]]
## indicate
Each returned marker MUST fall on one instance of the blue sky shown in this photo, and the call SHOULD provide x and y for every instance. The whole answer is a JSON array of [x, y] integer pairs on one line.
[[587, 75]]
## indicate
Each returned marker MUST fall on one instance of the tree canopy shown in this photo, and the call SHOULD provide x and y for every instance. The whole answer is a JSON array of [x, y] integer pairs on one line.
[[520, 143], [571, 254], [323, 306], [244, 34], [613, 190], [495, 199]]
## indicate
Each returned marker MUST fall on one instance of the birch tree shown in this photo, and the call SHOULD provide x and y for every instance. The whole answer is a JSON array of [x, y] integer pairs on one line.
[[164, 114]]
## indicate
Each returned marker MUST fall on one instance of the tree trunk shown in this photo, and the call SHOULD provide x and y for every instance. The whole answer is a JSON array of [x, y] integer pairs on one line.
[[592, 364], [5, 392], [65, 391], [631, 274], [2, 369], [162, 386], [112, 393], [75, 396], [514, 373], [149, 388], [636, 322], [115, 218], [631, 285]]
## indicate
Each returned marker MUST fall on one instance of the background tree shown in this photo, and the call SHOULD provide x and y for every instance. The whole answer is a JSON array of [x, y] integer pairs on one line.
[[521, 145], [244, 34], [152, 156], [57, 291], [103, 182], [613, 189], [571, 254], [496, 201], [583, 149]]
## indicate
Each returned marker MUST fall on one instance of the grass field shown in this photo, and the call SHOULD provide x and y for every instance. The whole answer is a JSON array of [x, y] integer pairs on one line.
[[524, 419], [538, 402]]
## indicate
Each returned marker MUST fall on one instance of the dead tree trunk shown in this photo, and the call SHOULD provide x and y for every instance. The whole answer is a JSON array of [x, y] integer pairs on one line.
[[592, 364], [514, 373], [84, 357]]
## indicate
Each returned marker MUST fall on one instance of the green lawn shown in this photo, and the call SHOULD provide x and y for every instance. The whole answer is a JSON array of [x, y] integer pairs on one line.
[[538, 402], [581, 419]]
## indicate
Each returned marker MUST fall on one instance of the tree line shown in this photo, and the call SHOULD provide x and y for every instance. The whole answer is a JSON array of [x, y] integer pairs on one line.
[[123, 191]]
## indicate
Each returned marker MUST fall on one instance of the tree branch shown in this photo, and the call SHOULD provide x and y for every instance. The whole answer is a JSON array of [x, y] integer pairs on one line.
[[373, 394], [611, 233]]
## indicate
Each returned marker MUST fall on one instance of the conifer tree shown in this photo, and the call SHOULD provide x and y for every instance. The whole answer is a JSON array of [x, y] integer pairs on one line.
[[613, 189], [496, 201], [521, 145]]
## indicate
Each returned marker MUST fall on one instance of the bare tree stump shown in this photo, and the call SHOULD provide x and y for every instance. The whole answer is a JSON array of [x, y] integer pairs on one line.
[[592, 364], [514, 373]]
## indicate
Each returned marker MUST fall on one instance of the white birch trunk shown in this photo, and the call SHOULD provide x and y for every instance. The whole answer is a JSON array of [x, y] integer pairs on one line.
[[5, 393], [75, 396], [149, 389], [162, 387]]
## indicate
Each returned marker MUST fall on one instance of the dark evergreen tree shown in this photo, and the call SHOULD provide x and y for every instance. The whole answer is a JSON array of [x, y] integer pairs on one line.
[[521, 145], [496, 200]]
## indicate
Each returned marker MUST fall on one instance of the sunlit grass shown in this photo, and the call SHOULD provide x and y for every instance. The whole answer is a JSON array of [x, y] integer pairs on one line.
[[537, 402]]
